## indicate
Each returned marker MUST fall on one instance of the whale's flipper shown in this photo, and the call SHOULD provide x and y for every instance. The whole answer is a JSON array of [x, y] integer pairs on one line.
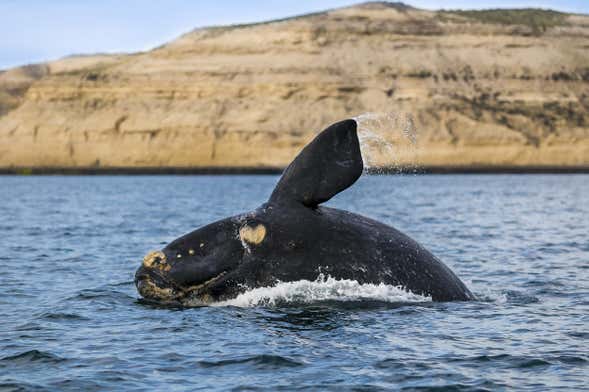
[[329, 164]]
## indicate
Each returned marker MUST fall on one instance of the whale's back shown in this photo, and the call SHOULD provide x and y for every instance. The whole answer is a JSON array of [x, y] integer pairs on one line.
[[345, 245]]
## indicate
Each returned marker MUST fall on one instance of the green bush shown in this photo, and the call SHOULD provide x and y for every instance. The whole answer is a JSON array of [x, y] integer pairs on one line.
[[538, 20]]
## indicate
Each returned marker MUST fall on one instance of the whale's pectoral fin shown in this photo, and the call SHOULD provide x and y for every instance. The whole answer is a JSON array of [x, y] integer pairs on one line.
[[329, 164]]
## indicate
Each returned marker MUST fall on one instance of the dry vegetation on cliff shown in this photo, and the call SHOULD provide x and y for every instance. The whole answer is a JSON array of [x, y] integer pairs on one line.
[[484, 88]]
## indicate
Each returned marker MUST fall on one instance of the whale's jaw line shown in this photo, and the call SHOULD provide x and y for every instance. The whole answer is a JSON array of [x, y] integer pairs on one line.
[[154, 286]]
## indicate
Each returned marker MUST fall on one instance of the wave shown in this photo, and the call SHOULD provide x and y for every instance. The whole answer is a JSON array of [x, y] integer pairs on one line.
[[322, 289], [506, 297], [263, 360], [33, 356]]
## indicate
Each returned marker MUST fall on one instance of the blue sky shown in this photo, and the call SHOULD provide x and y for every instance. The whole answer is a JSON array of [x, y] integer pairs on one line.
[[36, 30]]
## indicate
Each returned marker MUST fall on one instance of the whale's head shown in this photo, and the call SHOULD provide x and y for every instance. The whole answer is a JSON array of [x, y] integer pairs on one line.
[[193, 267], [224, 258]]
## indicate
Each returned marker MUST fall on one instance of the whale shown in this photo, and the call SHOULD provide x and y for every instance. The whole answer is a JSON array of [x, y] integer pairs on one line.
[[293, 237]]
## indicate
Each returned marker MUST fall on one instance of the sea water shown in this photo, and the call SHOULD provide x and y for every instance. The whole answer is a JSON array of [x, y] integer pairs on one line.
[[71, 319]]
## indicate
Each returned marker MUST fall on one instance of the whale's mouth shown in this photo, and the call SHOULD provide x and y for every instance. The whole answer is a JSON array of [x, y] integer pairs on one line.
[[199, 293], [153, 285]]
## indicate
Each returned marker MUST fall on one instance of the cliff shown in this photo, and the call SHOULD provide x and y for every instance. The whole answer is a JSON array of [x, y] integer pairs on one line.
[[474, 88]]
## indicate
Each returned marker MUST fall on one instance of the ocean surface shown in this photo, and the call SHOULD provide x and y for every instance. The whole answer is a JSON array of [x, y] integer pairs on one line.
[[71, 319]]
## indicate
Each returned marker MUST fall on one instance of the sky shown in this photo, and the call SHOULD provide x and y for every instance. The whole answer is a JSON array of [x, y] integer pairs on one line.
[[39, 30]]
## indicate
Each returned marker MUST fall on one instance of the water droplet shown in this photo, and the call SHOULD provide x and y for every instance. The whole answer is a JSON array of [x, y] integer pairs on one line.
[[388, 141]]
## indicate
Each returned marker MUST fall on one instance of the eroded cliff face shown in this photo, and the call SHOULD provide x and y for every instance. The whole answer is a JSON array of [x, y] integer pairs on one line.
[[514, 92]]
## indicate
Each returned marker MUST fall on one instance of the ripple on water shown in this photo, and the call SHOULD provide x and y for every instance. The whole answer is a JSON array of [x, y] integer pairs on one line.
[[263, 361], [59, 316], [507, 297], [31, 356], [508, 361], [108, 296]]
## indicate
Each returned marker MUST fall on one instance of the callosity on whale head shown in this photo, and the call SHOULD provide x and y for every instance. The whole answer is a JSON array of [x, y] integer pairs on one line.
[[291, 237]]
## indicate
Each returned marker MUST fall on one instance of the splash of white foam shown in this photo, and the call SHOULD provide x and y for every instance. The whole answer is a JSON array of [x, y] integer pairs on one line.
[[322, 289], [381, 135]]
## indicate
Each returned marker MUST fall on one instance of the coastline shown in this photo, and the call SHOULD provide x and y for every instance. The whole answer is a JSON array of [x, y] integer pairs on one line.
[[90, 171]]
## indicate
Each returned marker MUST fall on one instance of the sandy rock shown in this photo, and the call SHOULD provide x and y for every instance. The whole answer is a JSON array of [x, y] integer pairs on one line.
[[448, 89]]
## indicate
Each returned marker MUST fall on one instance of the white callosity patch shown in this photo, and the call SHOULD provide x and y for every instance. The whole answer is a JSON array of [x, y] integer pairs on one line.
[[156, 256], [387, 139], [156, 259], [252, 235], [321, 289]]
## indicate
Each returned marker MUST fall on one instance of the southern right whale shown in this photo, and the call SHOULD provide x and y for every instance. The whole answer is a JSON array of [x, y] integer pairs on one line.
[[292, 237]]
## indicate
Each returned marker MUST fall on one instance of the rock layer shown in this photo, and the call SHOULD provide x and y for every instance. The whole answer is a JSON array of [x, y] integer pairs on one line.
[[485, 88]]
